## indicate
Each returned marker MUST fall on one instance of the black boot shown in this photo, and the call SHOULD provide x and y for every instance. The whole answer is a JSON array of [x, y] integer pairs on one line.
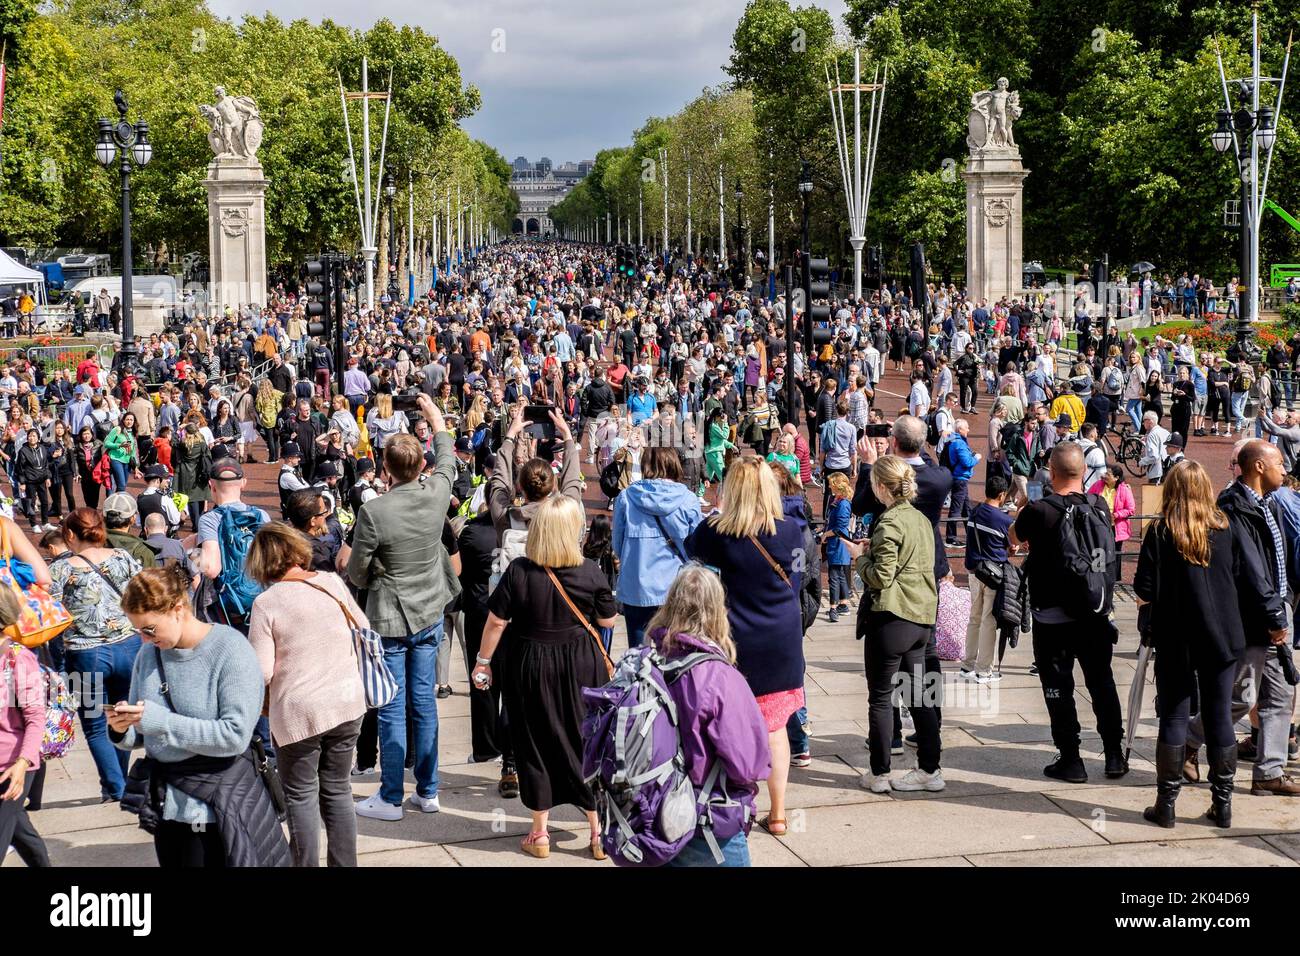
[[1169, 780], [1223, 771]]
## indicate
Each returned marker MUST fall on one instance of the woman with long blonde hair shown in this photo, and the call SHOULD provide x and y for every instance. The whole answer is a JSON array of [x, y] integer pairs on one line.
[[755, 549], [543, 614], [1189, 614]]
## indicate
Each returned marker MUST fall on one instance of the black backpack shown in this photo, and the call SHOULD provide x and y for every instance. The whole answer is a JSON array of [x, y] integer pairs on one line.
[[1088, 560], [932, 429]]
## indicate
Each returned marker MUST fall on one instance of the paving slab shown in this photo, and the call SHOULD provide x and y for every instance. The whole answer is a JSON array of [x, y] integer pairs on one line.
[[935, 827], [1231, 851], [1116, 813]]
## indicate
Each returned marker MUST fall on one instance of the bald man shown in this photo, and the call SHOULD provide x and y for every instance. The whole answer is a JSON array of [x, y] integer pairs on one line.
[[1065, 627]]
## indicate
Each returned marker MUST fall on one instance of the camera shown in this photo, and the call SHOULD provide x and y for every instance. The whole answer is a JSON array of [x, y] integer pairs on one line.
[[407, 401]]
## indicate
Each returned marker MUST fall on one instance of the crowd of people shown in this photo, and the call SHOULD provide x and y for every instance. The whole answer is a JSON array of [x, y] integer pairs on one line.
[[436, 492]]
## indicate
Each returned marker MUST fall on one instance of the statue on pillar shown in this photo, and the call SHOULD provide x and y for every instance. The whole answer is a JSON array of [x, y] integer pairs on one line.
[[992, 113], [236, 126]]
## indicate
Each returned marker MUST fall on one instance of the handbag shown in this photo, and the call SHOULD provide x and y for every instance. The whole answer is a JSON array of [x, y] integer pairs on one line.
[[609, 665], [376, 678], [40, 616]]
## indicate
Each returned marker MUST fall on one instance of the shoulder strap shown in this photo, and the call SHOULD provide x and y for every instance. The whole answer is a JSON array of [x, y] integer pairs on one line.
[[162, 675], [581, 618], [91, 564], [672, 543], [771, 561], [352, 621]]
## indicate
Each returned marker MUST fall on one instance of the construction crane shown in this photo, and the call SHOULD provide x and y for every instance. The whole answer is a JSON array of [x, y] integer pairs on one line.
[[1281, 273]]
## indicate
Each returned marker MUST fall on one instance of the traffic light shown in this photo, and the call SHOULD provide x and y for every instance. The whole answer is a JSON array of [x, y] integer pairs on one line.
[[816, 286], [317, 289]]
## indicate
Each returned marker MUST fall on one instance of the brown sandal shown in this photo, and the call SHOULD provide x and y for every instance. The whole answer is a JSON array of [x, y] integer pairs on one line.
[[537, 844], [597, 849], [767, 823]]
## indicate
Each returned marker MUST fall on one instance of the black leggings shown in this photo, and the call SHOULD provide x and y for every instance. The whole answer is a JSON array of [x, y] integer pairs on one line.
[[1173, 697], [272, 439], [895, 656], [90, 492], [195, 511], [59, 489], [181, 845], [16, 828], [37, 493]]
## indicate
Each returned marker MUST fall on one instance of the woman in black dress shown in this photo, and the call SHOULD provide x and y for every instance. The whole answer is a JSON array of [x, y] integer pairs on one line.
[[551, 651], [1180, 412], [1152, 397]]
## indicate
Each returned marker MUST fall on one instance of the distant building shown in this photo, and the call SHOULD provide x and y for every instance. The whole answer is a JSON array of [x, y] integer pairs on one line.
[[540, 186]]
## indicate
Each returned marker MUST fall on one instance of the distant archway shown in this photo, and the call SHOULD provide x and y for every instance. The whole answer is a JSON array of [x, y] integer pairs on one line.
[[534, 227], [517, 226]]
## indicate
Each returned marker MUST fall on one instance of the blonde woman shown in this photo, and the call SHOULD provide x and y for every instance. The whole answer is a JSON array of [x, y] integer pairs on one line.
[[267, 405], [898, 570], [477, 411], [383, 423], [693, 620], [753, 546], [543, 616]]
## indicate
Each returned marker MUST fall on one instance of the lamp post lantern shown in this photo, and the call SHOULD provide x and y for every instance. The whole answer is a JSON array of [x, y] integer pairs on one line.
[[1252, 128], [127, 144]]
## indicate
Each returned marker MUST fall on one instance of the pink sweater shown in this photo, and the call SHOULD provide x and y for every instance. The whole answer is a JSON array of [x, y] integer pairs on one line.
[[304, 645], [22, 709]]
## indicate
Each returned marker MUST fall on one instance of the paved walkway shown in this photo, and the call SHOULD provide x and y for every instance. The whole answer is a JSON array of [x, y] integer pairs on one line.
[[998, 808]]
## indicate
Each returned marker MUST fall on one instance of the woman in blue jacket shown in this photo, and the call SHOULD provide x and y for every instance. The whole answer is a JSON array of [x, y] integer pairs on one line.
[[838, 517], [652, 519]]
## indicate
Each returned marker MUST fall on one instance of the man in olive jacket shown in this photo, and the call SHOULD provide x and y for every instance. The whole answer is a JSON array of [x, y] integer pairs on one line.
[[399, 558]]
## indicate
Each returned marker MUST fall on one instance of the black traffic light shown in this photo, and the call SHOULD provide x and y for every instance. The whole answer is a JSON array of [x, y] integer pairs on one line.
[[816, 288], [317, 290]]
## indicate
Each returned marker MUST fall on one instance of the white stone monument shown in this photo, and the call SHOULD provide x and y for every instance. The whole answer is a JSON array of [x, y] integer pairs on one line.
[[236, 203], [994, 196]]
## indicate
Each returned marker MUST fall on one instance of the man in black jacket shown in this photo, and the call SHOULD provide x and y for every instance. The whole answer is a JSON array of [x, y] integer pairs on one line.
[[597, 400], [1263, 593], [933, 485]]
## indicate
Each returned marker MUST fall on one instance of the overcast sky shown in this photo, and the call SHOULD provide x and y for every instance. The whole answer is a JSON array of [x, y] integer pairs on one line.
[[575, 76]]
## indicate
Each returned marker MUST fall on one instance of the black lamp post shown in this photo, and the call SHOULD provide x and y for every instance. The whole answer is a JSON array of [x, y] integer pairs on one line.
[[390, 190], [126, 144], [805, 195]]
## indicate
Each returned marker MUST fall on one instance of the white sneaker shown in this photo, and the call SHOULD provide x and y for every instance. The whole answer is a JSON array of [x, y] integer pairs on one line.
[[918, 779], [427, 804], [968, 674], [992, 677], [876, 783], [377, 809], [363, 771]]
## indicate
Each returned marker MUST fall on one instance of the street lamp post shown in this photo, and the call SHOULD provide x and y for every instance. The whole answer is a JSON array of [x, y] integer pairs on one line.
[[1252, 128], [390, 190], [125, 143]]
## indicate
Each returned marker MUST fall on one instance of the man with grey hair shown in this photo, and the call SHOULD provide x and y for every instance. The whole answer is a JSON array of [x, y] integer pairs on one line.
[[1154, 439], [1285, 433]]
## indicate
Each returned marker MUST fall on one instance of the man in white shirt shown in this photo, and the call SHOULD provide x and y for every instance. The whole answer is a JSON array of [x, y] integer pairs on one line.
[[1154, 439], [918, 399]]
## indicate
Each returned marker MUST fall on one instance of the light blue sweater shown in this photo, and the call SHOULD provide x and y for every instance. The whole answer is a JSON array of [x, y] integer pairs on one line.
[[217, 688]]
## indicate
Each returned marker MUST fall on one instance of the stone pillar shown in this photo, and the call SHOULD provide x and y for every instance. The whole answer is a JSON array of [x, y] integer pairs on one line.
[[236, 232], [994, 224]]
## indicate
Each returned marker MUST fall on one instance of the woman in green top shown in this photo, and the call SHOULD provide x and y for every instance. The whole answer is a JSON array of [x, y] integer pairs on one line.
[[715, 448], [898, 571], [783, 453], [121, 448]]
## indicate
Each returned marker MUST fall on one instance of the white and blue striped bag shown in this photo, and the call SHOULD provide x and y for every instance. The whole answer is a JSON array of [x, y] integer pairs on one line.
[[377, 680]]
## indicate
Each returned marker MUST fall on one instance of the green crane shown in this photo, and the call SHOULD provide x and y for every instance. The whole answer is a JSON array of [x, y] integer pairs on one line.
[[1281, 273]]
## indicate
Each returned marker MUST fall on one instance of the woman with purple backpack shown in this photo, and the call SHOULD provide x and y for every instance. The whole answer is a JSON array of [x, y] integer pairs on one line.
[[732, 737]]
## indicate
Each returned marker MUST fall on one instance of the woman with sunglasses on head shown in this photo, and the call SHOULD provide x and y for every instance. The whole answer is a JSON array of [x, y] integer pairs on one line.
[[195, 696]]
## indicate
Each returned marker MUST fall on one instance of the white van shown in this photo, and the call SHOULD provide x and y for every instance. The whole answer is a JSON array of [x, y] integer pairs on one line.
[[160, 291]]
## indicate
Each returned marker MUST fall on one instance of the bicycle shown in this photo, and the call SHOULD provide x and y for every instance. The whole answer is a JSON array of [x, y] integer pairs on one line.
[[1124, 447]]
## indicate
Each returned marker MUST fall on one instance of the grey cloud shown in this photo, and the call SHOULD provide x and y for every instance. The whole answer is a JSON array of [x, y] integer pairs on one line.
[[577, 75]]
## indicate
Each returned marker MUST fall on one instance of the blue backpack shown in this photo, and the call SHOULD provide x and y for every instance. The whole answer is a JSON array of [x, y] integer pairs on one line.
[[235, 589]]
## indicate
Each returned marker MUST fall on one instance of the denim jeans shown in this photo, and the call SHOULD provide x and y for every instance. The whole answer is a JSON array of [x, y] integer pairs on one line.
[[735, 852], [104, 677], [796, 731], [637, 618], [413, 661], [839, 584], [120, 474], [1134, 409], [1239, 409]]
